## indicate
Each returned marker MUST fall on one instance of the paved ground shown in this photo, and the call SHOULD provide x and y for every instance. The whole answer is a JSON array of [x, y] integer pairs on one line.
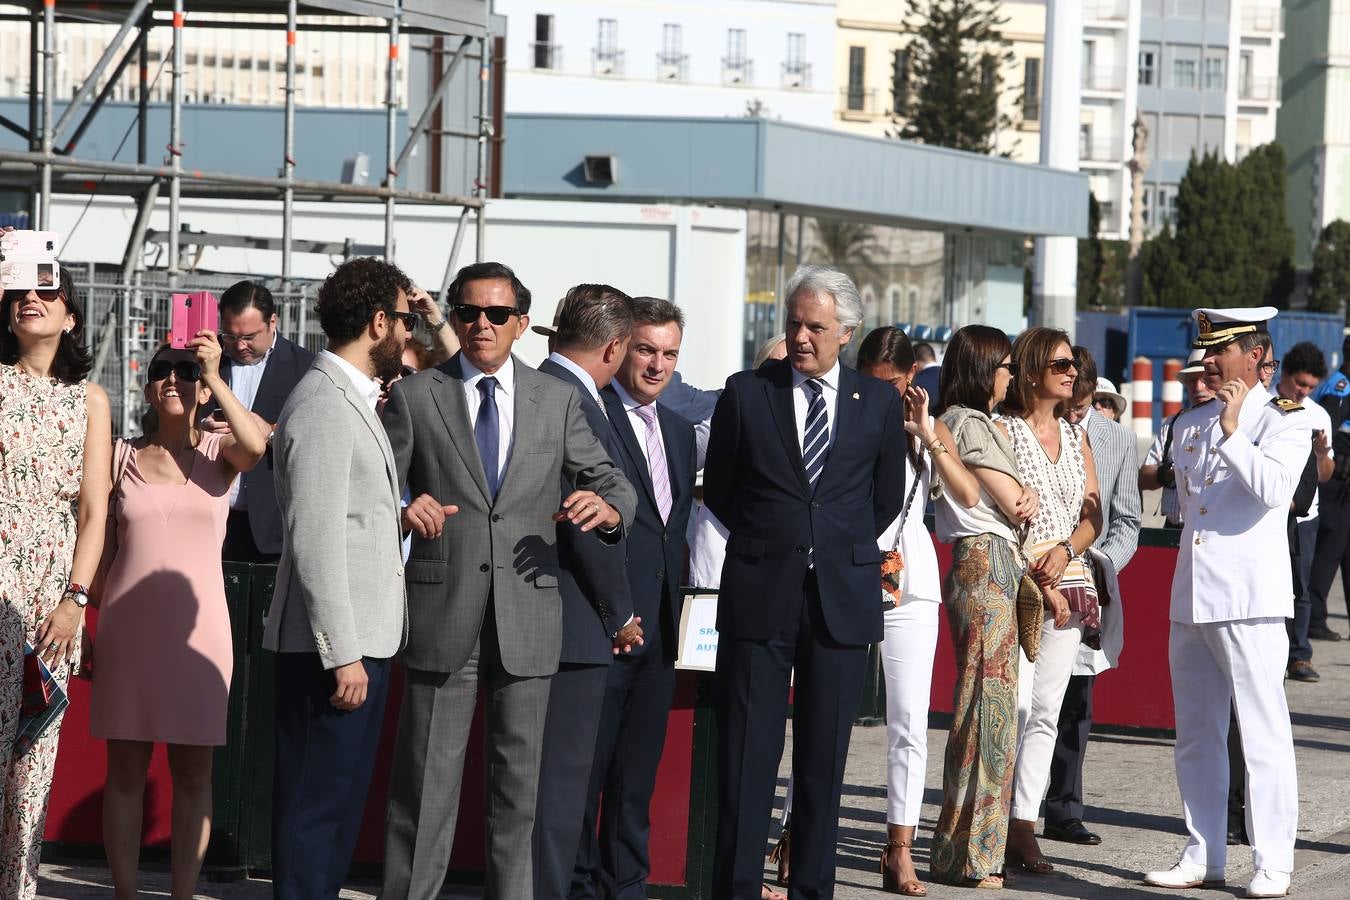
[[1132, 798]]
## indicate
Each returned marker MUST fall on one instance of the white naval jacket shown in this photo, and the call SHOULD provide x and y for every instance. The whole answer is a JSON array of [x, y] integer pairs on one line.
[[1235, 494]]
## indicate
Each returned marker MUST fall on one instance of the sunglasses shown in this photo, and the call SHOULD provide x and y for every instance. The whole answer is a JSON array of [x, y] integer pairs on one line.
[[46, 295], [1061, 366], [408, 319], [1010, 366], [497, 315], [185, 369]]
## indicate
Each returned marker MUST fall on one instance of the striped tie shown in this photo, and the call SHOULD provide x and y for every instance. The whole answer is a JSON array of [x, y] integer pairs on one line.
[[816, 438], [656, 460]]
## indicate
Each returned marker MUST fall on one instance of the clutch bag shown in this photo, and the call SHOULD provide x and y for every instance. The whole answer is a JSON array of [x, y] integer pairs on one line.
[[1030, 616], [42, 703]]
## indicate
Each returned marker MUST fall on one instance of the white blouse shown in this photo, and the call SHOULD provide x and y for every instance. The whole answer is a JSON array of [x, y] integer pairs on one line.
[[921, 579]]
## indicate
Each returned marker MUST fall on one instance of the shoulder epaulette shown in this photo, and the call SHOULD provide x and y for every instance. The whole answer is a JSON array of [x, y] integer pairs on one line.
[[1286, 406]]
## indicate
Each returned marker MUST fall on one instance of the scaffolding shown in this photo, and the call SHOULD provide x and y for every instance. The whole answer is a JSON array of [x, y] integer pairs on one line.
[[50, 166]]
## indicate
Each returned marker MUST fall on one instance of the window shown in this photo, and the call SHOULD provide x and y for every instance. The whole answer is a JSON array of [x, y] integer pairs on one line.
[[1187, 9], [544, 52], [1148, 63], [1089, 62], [1245, 74], [900, 82], [1031, 89], [1085, 140], [607, 39], [1214, 73], [672, 38], [1183, 73], [857, 60], [988, 73], [1146, 205], [796, 52], [735, 48]]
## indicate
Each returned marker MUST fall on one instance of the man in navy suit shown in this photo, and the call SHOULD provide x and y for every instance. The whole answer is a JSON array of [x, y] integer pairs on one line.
[[805, 468], [656, 453], [261, 368], [588, 341]]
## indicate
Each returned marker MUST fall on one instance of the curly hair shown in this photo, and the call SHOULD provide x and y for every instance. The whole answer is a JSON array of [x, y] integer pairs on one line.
[[73, 361], [1305, 356], [969, 366], [357, 289], [1032, 352], [488, 271]]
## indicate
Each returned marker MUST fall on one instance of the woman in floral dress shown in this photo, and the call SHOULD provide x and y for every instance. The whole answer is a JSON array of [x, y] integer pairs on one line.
[[55, 473]]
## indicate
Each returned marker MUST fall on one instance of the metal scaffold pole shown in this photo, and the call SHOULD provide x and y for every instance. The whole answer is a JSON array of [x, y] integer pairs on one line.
[[484, 132], [391, 129], [175, 142], [48, 86], [288, 161]]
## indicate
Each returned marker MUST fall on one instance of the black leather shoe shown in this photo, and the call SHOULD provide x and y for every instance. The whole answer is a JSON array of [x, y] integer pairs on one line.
[[1071, 832], [1324, 634], [1302, 670], [1237, 834]]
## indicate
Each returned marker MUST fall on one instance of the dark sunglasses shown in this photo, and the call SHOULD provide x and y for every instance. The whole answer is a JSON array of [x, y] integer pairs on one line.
[[1010, 366], [46, 295], [1062, 365], [185, 369], [497, 315], [409, 319]]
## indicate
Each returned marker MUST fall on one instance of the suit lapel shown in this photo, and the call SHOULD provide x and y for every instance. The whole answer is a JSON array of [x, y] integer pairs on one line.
[[358, 403], [448, 395], [618, 420], [779, 390]]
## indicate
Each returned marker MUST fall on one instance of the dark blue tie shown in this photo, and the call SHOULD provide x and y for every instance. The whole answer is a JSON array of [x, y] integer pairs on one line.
[[816, 435], [487, 433]]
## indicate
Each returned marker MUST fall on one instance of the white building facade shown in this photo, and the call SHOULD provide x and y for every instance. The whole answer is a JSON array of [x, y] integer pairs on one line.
[[638, 57], [1108, 104]]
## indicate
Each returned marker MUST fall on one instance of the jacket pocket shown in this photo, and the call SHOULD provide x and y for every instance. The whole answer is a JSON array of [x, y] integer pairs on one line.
[[425, 571], [866, 555], [545, 580], [746, 546]]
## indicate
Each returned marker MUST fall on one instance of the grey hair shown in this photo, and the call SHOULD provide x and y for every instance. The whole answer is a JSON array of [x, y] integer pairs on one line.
[[848, 304], [592, 315], [768, 347]]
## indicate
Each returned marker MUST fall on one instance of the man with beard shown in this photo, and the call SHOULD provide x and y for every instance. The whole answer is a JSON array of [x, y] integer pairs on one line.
[[492, 435], [339, 614]]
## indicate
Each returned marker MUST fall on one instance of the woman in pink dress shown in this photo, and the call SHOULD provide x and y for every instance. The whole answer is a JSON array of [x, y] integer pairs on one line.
[[164, 652]]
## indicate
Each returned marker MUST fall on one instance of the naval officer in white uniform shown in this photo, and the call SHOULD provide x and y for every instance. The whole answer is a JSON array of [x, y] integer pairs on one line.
[[1238, 458]]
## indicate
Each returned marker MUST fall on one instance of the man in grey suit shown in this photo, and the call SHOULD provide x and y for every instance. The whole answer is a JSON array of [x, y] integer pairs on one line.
[[338, 614], [488, 433], [1116, 452]]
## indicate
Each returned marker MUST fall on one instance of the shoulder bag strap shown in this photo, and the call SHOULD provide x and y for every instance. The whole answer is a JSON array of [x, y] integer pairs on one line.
[[904, 511]]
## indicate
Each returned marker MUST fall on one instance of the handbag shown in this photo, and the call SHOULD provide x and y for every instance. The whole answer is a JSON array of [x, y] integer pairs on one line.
[[893, 561], [42, 702]]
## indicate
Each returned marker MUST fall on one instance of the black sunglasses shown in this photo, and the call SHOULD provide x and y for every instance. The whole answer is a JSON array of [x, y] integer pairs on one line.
[[46, 295], [185, 369], [1010, 366], [1062, 365], [497, 315], [409, 319]]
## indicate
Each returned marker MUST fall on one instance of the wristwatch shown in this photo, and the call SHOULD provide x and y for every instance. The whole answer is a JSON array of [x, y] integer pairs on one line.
[[77, 594], [437, 327]]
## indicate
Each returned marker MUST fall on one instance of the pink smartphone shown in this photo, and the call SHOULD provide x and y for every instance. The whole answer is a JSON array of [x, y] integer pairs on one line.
[[193, 313]]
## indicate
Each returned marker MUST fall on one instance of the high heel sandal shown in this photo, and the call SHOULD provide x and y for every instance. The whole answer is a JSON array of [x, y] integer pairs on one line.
[[779, 854], [891, 883]]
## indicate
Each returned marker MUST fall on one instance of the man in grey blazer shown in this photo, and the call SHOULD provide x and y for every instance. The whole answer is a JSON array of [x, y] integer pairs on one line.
[[338, 615], [488, 433], [1116, 452]]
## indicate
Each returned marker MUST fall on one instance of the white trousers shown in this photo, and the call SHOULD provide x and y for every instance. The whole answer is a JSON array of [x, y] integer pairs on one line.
[[1040, 694], [1241, 663], [907, 652]]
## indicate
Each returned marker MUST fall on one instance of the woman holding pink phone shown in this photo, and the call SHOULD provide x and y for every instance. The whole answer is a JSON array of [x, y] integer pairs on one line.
[[164, 648]]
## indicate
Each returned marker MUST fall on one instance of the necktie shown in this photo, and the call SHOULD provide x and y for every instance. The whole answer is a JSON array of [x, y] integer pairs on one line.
[[656, 460], [487, 433], [816, 437]]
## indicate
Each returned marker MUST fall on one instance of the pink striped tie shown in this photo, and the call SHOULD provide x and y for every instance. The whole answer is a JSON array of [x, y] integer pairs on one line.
[[656, 460]]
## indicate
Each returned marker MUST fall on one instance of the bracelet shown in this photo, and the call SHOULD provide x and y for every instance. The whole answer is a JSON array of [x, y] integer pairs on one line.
[[76, 588], [437, 327], [1068, 548], [937, 447]]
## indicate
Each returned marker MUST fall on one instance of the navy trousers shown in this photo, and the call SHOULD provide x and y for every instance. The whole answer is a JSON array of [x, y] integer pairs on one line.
[[1064, 798], [751, 705], [324, 760], [1299, 646]]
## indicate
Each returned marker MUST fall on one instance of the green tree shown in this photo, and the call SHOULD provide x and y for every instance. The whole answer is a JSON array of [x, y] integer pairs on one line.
[[955, 60], [851, 247], [1166, 281], [1091, 258], [1329, 283], [1271, 240]]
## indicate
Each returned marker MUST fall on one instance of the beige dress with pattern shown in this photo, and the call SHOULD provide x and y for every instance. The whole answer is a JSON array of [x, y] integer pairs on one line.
[[42, 430]]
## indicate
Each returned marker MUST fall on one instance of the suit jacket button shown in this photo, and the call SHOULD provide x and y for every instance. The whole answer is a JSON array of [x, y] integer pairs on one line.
[[496, 517], [483, 567], [665, 538], [815, 504], [660, 576], [799, 548]]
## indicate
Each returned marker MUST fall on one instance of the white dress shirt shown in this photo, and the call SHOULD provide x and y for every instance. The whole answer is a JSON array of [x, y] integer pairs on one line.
[[244, 381], [506, 390], [801, 400], [639, 424], [367, 387], [582, 375]]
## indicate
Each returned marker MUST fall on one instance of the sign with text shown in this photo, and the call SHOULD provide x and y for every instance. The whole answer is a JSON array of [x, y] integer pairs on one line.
[[698, 633]]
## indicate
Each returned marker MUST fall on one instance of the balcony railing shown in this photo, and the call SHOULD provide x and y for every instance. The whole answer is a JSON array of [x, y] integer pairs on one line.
[[1098, 151], [1263, 18], [1103, 78], [1106, 11], [1259, 90], [738, 71], [546, 55], [858, 100], [796, 75], [672, 66], [607, 61]]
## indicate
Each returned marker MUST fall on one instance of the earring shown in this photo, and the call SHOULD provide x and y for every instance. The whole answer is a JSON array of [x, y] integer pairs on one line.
[[70, 329]]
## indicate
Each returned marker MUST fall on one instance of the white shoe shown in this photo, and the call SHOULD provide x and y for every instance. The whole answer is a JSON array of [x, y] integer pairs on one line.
[[1268, 883], [1187, 875]]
